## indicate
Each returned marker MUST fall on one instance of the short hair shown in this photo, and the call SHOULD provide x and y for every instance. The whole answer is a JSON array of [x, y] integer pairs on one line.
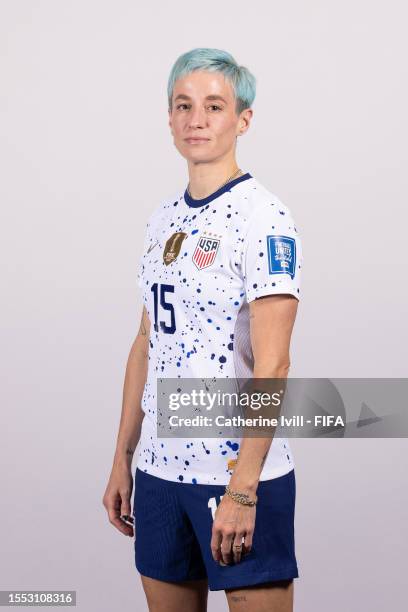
[[242, 80]]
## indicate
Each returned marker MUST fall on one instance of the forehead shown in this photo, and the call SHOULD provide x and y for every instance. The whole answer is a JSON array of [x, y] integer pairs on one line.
[[201, 84]]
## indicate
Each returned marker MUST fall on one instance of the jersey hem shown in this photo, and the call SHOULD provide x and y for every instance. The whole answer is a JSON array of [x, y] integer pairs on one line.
[[252, 294], [269, 474]]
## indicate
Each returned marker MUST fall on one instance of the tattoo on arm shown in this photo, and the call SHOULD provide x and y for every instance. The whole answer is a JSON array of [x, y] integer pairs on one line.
[[238, 598], [129, 451]]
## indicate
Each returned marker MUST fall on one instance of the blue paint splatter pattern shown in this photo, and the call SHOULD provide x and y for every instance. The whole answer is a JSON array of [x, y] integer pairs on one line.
[[199, 313]]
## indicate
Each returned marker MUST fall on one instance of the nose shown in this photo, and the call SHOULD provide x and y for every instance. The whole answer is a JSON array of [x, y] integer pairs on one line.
[[197, 117]]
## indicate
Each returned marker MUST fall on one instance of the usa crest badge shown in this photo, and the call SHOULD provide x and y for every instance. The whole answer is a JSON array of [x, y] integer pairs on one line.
[[206, 250]]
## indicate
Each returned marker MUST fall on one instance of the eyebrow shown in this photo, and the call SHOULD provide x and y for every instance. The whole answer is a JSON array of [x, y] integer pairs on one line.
[[210, 97]]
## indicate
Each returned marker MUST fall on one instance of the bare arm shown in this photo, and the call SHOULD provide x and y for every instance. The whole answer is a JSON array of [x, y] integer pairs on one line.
[[271, 322], [135, 379], [119, 489]]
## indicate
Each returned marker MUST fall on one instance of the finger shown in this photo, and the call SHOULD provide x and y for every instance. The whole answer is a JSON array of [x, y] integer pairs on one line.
[[123, 527], [125, 508], [114, 518], [248, 542], [237, 547], [226, 544], [216, 544]]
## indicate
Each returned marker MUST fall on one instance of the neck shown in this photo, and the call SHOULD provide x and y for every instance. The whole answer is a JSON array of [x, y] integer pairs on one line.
[[205, 178]]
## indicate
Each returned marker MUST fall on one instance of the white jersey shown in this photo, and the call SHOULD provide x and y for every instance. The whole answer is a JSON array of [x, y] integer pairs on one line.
[[203, 262]]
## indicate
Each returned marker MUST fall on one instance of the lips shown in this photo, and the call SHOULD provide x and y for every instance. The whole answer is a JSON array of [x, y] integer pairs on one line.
[[196, 140]]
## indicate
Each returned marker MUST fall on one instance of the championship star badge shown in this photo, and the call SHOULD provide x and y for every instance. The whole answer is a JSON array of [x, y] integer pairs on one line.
[[172, 247], [206, 250]]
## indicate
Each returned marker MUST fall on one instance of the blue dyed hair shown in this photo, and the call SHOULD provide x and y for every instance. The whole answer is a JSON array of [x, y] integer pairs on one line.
[[241, 79]]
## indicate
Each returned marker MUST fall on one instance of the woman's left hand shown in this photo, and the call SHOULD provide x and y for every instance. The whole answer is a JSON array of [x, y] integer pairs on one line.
[[233, 522]]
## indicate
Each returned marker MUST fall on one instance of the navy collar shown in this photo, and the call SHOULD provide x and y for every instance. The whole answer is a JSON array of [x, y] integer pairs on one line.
[[195, 203]]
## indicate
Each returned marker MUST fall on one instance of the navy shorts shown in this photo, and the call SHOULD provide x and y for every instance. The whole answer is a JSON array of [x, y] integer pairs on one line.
[[173, 525]]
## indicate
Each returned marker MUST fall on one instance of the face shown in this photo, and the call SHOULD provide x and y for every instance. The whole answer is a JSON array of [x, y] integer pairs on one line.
[[203, 120]]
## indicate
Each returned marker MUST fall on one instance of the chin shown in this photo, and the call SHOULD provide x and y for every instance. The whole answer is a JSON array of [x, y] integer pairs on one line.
[[195, 156]]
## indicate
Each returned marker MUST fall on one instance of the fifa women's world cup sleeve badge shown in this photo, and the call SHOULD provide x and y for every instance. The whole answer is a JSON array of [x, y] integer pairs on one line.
[[281, 255], [172, 247]]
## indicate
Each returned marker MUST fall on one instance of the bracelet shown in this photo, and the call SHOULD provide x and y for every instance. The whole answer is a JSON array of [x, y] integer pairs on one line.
[[241, 498]]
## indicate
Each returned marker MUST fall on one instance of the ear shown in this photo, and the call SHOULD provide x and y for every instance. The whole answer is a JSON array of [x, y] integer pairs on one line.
[[245, 120]]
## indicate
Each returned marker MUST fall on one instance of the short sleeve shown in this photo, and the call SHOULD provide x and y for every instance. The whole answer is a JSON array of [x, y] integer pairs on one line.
[[141, 265], [272, 256], [157, 218]]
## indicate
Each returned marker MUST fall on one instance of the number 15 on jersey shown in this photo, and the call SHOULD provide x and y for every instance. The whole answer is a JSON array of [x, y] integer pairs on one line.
[[159, 295]]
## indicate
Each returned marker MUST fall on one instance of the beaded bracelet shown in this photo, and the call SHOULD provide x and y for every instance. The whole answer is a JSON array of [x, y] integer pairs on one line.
[[241, 498]]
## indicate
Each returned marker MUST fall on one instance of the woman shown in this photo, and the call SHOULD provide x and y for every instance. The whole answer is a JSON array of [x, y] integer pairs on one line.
[[220, 275]]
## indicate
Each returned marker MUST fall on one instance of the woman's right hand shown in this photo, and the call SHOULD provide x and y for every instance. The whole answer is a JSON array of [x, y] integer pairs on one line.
[[117, 497]]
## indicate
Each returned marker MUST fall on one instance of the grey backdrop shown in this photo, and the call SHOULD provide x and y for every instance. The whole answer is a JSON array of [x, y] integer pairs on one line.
[[86, 154]]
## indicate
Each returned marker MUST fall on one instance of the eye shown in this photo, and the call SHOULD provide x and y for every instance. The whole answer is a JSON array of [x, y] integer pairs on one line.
[[216, 106], [180, 105]]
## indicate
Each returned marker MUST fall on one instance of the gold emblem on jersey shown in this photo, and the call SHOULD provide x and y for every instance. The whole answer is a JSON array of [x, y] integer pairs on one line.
[[172, 247], [232, 463]]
